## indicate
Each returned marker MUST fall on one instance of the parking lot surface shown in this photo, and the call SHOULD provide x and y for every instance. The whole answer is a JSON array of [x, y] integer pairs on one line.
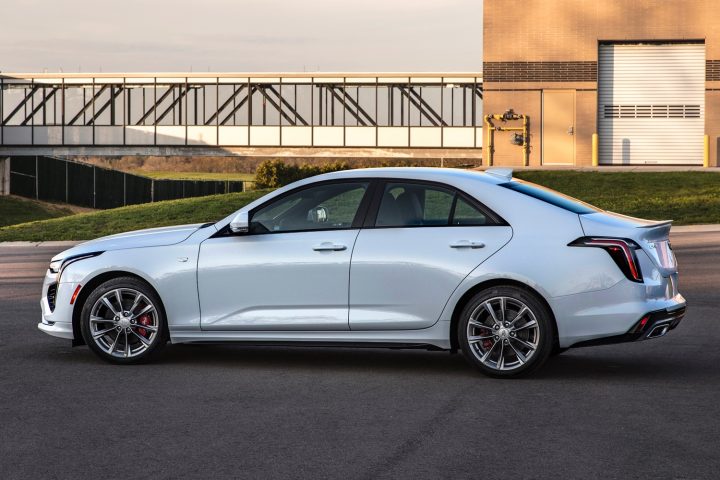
[[644, 410]]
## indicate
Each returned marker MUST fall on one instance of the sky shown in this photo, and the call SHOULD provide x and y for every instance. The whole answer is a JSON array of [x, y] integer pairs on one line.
[[240, 35]]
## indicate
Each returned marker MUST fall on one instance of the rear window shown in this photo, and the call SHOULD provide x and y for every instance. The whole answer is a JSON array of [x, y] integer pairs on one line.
[[551, 196]]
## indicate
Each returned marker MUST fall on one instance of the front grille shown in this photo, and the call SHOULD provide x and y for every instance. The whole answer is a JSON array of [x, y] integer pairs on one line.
[[51, 295]]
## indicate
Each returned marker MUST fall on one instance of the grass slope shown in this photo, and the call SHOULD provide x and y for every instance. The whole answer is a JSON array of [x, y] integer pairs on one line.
[[18, 210], [85, 226], [169, 175], [685, 197]]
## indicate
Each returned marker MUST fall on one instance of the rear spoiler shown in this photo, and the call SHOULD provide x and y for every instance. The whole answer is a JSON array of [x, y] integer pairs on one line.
[[623, 226], [659, 223]]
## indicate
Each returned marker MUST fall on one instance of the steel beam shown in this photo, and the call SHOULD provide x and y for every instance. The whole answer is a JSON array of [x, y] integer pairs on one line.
[[87, 105], [227, 102], [262, 89], [38, 107], [155, 105], [113, 95], [182, 94], [358, 112], [237, 107], [28, 97], [423, 107], [287, 105]]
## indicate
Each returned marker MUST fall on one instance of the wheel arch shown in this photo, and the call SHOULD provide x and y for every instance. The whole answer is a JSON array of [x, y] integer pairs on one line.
[[91, 285], [496, 282]]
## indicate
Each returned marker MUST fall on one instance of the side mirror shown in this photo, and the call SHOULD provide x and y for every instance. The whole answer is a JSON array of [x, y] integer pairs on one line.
[[241, 223], [317, 215]]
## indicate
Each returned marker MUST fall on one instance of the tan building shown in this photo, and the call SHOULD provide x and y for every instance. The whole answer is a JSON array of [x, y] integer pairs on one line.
[[644, 75]]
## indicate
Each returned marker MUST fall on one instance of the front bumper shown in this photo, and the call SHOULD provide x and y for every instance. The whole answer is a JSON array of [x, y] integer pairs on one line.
[[654, 324], [57, 311], [58, 329]]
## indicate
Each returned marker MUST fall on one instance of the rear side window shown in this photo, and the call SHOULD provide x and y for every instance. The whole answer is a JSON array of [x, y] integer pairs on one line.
[[418, 205], [551, 196], [466, 214]]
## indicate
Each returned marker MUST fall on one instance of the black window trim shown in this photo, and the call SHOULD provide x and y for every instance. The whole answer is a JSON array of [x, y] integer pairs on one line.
[[370, 204], [356, 223], [371, 217]]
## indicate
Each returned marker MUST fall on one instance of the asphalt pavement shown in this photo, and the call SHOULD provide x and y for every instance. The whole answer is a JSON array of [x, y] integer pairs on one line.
[[643, 410]]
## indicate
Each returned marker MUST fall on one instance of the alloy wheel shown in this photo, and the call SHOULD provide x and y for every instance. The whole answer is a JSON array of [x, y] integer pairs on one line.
[[124, 323], [503, 333]]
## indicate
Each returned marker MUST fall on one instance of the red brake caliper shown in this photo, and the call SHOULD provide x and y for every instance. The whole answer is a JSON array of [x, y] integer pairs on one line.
[[144, 320], [487, 343]]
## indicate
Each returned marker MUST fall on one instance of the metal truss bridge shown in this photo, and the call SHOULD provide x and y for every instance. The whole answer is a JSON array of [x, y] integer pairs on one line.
[[400, 110]]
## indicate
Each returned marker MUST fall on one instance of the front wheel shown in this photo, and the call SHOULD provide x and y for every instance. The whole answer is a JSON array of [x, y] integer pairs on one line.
[[122, 321], [505, 332]]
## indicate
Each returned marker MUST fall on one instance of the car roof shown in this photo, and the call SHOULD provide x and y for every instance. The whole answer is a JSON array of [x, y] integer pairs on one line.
[[414, 173]]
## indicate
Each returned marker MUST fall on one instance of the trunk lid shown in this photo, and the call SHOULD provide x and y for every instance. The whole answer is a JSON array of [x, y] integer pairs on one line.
[[652, 236]]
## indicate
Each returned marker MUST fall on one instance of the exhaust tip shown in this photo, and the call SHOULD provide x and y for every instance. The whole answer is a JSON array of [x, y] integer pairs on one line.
[[658, 331]]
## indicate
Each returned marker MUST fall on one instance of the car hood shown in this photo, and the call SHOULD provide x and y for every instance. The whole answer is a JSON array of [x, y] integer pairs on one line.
[[151, 237]]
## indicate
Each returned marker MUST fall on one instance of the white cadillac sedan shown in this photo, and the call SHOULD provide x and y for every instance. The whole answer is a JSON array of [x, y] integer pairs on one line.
[[505, 271]]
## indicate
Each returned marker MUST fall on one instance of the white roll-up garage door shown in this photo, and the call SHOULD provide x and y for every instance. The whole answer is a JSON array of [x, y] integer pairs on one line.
[[651, 103]]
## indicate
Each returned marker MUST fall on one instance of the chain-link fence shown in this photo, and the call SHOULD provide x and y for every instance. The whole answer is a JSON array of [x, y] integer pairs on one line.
[[58, 180]]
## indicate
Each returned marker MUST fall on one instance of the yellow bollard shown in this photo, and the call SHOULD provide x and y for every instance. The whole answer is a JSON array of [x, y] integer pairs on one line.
[[595, 160], [706, 153]]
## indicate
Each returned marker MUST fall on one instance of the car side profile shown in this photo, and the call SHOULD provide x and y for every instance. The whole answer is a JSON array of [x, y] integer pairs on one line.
[[505, 271]]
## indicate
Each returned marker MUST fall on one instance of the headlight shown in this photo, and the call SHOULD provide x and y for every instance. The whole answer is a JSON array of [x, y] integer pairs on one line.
[[58, 266], [55, 266]]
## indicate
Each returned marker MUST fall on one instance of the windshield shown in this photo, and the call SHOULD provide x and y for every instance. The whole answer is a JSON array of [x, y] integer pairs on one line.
[[551, 196]]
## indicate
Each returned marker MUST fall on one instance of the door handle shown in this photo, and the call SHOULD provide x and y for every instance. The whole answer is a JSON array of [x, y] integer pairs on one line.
[[329, 247], [466, 244]]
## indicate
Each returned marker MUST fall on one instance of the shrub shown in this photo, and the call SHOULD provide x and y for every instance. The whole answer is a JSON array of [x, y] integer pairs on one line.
[[276, 173]]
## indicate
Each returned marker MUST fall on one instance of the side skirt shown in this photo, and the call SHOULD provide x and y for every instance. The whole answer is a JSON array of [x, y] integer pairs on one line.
[[436, 337]]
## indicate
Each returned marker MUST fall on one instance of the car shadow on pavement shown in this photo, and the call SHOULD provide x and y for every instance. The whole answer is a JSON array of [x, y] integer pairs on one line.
[[580, 365], [623, 366]]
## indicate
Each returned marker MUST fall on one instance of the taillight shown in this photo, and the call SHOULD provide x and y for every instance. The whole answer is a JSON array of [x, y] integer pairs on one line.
[[621, 250]]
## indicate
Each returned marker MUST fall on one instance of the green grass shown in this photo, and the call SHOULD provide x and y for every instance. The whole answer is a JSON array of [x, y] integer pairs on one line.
[[18, 210], [685, 197], [85, 226], [168, 175]]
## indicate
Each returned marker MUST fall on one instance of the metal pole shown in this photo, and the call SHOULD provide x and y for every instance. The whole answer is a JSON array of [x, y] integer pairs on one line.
[[62, 119]]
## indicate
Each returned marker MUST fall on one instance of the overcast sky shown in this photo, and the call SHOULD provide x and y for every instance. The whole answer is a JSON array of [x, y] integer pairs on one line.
[[240, 35]]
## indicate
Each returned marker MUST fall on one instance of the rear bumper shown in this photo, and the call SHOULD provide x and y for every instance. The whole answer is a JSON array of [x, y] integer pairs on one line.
[[652, 325]]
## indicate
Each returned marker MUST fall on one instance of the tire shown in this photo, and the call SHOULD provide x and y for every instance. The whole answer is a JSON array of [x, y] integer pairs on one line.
[[133, 334], [518, 345], [557, 351]]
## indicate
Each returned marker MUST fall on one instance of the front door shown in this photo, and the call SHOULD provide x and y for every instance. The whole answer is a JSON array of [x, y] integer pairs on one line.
[[290, 272], [558, 127]]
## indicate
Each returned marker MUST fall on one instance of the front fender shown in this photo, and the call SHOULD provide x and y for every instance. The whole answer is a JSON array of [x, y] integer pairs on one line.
[[170, 270]]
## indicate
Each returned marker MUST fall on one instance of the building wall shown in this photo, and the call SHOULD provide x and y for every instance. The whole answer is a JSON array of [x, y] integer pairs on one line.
[[532, 45]]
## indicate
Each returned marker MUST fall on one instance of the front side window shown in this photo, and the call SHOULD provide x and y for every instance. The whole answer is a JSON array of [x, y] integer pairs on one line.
[[324, 207], [414, 204]]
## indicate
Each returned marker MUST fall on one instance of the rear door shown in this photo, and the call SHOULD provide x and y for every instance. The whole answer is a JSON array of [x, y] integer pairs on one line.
[[420, 242]]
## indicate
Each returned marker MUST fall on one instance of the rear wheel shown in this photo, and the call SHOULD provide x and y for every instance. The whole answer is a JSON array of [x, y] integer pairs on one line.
[[122, 321], [505, 331]]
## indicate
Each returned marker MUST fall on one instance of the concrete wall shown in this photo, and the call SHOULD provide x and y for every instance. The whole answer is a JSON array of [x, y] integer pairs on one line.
[[559, 39]]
